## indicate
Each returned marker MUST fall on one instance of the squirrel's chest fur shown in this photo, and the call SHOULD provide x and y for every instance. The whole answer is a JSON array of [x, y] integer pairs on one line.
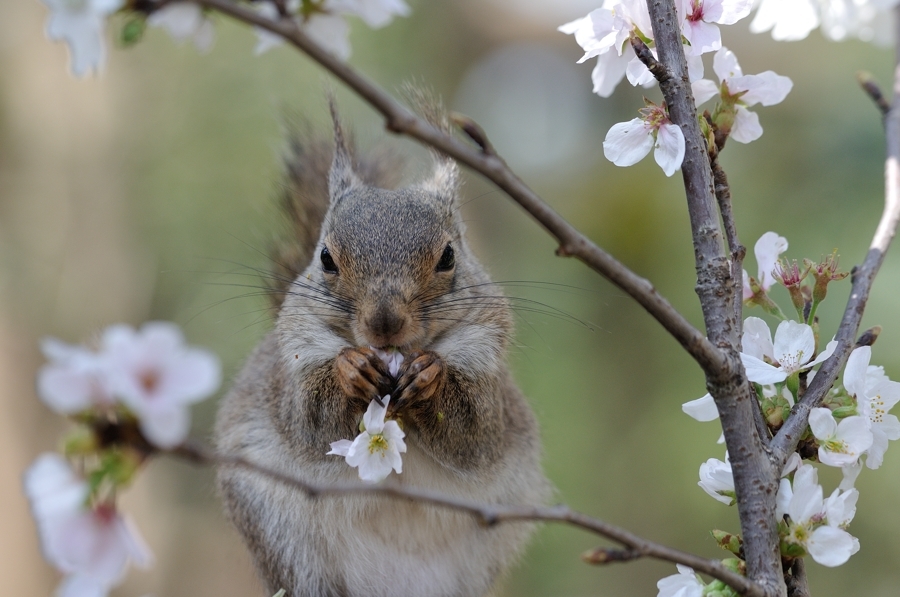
[[361, 544]]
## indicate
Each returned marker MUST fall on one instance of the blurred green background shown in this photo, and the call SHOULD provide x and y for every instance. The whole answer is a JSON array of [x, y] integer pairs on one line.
[[149, 193]]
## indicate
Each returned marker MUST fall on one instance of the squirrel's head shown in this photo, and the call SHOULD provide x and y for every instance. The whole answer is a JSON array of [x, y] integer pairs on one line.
[[386, 258]]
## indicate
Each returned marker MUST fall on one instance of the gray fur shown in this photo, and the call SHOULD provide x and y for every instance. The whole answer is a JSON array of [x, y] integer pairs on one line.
[[470, 432]]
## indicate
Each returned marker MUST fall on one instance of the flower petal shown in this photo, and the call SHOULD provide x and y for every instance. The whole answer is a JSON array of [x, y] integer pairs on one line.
[[627, 143], [855, 371], [669, 152], [608, 73], [703, 409], [746, 127], [830, 546], [757, 339], [761, 372]]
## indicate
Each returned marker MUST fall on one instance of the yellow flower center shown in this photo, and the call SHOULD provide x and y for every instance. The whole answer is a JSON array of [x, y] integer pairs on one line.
[[377, 443]]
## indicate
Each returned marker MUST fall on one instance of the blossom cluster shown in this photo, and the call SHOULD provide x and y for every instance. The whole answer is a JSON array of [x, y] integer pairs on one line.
[[375, 452], [606, 33], [852, 427], [82, 24], [141, 380]]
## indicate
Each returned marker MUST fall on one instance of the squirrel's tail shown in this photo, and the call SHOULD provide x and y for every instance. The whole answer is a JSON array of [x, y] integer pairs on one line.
[[304, 200]]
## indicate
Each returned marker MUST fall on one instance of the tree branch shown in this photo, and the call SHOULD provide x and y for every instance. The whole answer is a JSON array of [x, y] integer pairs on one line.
[[486, 514], [754, 476], [862, 278], [487, 163]]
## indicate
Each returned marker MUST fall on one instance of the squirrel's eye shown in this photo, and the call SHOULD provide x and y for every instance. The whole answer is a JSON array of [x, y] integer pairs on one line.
[[447, 260], [328, 264]]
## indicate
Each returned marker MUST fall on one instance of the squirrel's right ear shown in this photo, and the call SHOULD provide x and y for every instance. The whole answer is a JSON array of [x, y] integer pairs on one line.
[[341, 178]]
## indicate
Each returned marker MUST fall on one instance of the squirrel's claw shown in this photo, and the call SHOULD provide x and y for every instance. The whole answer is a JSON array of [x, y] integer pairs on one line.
[[420, 377], [361, 374]]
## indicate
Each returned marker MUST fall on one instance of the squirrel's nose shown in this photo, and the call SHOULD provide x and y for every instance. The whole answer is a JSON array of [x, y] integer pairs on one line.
[[385, 325]]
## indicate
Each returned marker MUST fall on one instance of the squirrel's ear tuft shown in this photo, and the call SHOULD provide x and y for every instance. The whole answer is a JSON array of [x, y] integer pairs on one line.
[[341, 178], [444, 180]]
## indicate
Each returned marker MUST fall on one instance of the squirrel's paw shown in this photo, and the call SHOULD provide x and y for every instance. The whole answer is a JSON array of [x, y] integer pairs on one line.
[[361, 374], [421, 375]]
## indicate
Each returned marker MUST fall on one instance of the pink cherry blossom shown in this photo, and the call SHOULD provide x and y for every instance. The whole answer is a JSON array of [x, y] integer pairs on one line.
[[157, 377]]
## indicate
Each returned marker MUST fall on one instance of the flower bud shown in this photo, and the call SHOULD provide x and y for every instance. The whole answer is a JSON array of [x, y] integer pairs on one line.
[[728, 541]]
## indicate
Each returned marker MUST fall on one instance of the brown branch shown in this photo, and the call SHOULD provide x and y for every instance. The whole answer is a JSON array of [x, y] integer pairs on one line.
[[738, 251], [755, 476], [571, 242], [870, 86], [862, 278], [797, 584], [487, 514]]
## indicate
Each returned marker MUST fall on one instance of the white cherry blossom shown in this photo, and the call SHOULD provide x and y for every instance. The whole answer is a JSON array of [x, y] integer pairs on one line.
[[792, 350], [768, 249], [184, 21], [157, 376], [684, 584], [92, 545], [627, 143], [766, 88], [702, 17], [840, 444], [809, 527], [876, 395], [604, 34], [716, 479], [392, 359], [376, 450], [789, 20], [74, 379], [82, 24]]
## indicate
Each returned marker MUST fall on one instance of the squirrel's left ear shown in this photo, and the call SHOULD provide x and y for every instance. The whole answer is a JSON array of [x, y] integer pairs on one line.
[[342, 178], [444, 180]]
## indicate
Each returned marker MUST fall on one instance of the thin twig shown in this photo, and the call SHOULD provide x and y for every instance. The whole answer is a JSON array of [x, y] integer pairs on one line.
[[487, 514], [571, 242], [798, 585], [738, 251], [870, 86], [862, 278]]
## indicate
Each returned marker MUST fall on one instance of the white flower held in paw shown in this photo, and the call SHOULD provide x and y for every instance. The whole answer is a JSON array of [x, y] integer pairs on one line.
[[875, 396], [74, 380], [792, 351], [684, 584], [157, 377], [92, 546], [840, 444], [627, 143], [183, 21], [376, 451], [392, 359], [81, 23]]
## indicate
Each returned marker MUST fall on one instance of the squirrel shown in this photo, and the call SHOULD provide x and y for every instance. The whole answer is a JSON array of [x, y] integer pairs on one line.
[[380, 268]]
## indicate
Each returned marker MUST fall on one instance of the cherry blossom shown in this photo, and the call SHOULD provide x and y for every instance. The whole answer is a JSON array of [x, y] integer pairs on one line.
[[325, 23], [700, 19], [809, 527], [184, 21], [684, 584], [716, 480], [789, 20], [768, 249], [91, 544], [82, 24], [157, 377], [604, 34], [74, 379], [741, 91], [627, 143], [376, 450], [392, 359], [791, 352], [840, 444], [876, 395]]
